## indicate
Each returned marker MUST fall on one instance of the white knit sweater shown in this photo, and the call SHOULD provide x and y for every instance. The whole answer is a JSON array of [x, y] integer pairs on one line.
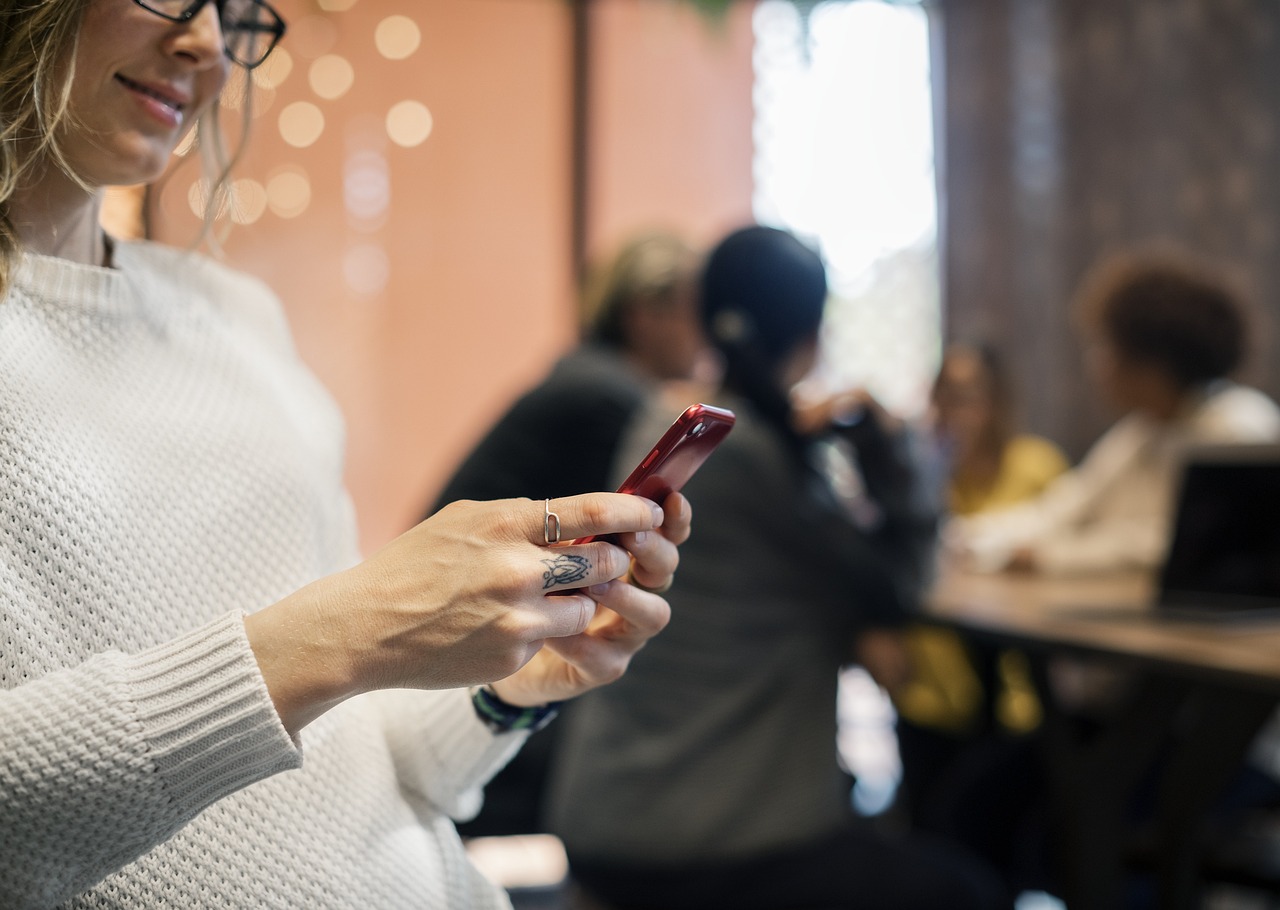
[[166, 464]]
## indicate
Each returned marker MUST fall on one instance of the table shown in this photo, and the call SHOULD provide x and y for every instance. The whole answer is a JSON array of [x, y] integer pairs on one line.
[[1201, 692]]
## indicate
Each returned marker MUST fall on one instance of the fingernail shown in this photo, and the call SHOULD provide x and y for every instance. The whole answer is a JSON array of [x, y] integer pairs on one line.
[[657, 515], [598, 590], [641, 537]]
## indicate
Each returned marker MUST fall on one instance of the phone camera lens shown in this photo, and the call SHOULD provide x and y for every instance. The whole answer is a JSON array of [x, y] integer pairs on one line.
[[698, 429]]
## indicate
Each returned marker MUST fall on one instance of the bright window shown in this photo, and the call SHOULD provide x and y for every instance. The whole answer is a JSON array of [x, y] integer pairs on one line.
[[844, 158]]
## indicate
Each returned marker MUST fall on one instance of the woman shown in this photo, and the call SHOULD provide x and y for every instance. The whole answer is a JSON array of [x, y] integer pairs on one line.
[[185, 616], [708, 778], [989, 466]]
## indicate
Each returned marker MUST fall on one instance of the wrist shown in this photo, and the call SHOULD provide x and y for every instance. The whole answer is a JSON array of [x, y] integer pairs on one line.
[[305, 673], [501, 716]]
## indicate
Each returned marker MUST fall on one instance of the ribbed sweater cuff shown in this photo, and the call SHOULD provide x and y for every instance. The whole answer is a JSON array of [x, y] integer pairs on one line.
[[206, 714], [469, 744], [441, 748]]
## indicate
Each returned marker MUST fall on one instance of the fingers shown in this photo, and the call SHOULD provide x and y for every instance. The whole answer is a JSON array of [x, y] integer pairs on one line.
[[653, 559], [644, 614], [677, 519], [588, 515], [560, 617], [569, 568], [655, 554], [602, 654]]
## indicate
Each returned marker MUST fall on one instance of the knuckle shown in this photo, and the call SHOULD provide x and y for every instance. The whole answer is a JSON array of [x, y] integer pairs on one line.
[[511, 575], [509, 662], [586, 613], [596, 512], [513, 523], [456, 508], [614, 562], [612, 668]]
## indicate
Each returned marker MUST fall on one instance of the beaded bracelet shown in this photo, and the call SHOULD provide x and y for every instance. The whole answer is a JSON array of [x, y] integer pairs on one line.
[[501, 717]]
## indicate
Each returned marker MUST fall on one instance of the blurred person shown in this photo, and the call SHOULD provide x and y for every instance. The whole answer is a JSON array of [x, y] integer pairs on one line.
[[641, 331], [1163, 334], [207, 698], [709, 779], [988, 465]]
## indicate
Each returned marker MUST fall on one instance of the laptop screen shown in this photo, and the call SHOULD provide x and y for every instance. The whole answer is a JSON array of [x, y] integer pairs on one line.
[[1225, 551]]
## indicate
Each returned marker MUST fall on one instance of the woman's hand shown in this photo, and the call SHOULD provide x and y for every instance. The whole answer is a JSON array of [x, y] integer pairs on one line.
[[463, 598], [811, 415], [628, 615]]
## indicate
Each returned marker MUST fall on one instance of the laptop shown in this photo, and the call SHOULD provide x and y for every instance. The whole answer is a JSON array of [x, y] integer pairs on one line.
[[1223, 560]]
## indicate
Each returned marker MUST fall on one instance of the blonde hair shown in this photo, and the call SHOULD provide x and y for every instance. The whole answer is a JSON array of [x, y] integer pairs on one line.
[[38, 41], [647, 270]]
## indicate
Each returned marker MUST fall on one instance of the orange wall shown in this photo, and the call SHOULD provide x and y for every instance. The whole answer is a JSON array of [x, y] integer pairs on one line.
[[479, 298], [670, 121]]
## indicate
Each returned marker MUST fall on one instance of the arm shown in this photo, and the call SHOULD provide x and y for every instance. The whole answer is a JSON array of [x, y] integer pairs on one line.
[[101, 762], [891, 468], [1013, 537], [889, 455], [409, 617]]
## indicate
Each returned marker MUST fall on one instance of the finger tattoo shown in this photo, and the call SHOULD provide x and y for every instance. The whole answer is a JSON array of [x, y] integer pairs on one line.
[[565, 569]]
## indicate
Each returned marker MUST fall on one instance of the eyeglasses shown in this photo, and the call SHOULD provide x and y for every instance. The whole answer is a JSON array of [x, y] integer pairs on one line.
[[250, 28]]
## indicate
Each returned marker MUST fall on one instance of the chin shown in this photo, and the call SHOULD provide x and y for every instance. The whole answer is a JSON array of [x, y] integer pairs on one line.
[[128, 166]]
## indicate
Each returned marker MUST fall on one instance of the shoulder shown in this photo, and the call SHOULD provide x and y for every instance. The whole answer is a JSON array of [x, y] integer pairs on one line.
[[1035, 453], [198, 281], [160, 261], [1237, 413], [580, 394], [598, 372]]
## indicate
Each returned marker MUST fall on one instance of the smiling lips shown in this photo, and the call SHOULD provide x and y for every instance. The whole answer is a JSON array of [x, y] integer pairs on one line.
[[164, 107]]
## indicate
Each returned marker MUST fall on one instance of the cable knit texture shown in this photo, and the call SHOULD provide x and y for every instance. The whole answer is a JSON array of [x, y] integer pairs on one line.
[[166, 465]]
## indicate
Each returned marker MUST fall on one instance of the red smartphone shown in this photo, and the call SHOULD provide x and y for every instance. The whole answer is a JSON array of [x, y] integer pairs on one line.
[[677, 455]]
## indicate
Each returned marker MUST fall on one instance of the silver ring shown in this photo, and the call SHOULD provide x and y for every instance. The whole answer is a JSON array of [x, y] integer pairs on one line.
[[550, 519]]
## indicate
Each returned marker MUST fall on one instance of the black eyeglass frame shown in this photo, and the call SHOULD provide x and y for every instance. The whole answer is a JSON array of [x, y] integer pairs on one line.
[[275, 28]]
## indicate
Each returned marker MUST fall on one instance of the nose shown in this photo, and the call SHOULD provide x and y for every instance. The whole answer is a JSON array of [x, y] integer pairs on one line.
[[200, 38]]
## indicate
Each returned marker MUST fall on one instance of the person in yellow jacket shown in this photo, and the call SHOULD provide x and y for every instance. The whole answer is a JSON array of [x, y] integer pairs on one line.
[[989, 466]]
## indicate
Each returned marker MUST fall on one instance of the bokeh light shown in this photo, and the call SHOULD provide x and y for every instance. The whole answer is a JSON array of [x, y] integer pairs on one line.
[[186, 145], [301, 124], [331, 76], [288, 191], [275, 70], [366, 269], [397, 37], [248, 201], [366, 189], [409, 123], [198, 197]]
